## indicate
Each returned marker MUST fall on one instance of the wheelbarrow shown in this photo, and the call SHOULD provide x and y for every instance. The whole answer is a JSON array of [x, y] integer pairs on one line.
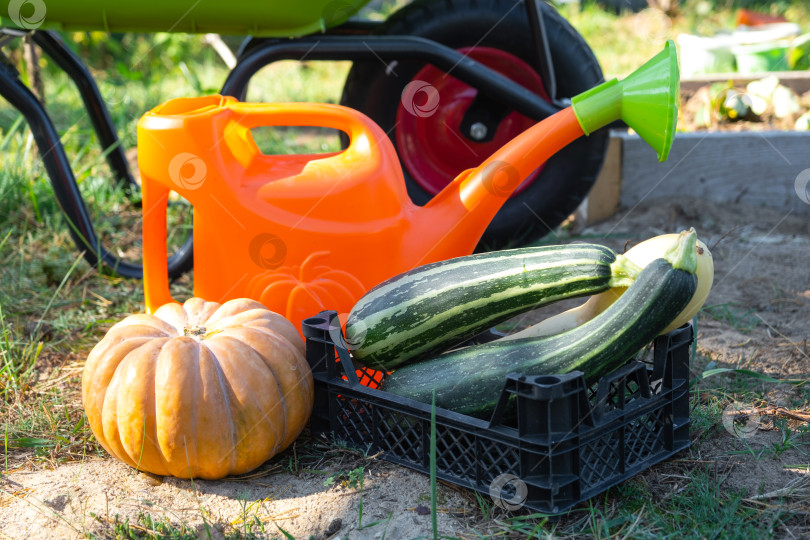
[[511, 64]]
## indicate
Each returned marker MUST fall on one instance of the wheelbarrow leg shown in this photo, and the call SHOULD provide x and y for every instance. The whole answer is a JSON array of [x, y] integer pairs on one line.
[[336, 47], [64, 184], [59, 171], [96, 109], [543, 62]]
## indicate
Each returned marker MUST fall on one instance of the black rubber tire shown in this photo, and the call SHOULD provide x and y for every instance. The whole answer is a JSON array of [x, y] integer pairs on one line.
[[619, 6], [500, 24]]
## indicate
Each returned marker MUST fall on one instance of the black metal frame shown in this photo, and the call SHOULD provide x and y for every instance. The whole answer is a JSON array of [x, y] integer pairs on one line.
[[351, 41], [386, 48], [57, 163]]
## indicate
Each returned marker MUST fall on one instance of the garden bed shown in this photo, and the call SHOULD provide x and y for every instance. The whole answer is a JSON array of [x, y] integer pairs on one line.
[[758, 168]]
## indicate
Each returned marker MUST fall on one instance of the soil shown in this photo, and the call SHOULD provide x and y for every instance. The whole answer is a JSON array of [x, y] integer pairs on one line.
[[762, 289], [761, 257], [693, 104]]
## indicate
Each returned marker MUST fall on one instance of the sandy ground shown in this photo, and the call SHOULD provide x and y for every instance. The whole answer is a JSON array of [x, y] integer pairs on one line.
[[80, 498], [762, 257]]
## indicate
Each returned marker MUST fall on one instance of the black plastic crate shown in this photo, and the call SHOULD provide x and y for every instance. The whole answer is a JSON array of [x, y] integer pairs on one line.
[[568, 442]]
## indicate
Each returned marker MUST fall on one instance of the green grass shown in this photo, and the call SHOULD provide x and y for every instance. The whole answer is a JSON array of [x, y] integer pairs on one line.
[[700, 510], [148, 528], [738, 317], [624, 42]]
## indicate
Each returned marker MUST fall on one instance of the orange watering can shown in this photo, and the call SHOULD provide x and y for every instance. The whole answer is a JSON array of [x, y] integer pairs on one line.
[[303, 233]]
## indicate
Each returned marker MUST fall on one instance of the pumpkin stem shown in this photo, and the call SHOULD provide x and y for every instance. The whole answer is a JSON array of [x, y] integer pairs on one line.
[[194, 331]]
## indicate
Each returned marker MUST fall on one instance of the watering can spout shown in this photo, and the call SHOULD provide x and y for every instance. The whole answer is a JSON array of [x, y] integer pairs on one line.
[[647, 100]]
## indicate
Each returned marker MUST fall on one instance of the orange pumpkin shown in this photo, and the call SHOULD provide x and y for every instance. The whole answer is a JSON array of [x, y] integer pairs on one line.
[[299, 292], [198, 390]]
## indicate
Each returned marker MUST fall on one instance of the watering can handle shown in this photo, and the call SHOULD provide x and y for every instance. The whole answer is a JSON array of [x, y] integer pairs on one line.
[[364, 148], [356, 125], [154, 199]]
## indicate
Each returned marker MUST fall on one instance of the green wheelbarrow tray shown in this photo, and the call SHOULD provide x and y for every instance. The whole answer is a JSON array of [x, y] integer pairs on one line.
[[241, 17]]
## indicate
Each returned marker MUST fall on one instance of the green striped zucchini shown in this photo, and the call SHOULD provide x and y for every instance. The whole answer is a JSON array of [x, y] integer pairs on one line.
[[429, 309], [469, 380]]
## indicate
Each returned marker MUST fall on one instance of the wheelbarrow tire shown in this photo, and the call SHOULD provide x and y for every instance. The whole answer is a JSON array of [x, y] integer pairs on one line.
[[376, 89], [619, 6]]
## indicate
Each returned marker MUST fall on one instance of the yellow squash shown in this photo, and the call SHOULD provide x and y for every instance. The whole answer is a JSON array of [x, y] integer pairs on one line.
[[642, 254]]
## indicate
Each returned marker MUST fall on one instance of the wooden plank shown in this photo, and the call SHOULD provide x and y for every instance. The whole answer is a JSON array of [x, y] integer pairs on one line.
[[603, 199], [756, 168], [798, 81]]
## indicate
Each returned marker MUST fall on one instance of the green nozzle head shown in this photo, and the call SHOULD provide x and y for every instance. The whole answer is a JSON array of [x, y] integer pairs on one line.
[[647, 101]]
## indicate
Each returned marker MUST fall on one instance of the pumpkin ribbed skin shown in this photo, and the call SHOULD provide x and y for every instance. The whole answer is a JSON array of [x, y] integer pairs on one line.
[[198, 390]]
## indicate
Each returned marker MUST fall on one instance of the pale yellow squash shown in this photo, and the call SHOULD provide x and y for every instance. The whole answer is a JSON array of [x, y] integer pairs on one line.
[[641, 254]]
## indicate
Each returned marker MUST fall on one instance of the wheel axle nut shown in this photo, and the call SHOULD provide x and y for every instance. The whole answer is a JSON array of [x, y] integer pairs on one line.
[[478, 131]]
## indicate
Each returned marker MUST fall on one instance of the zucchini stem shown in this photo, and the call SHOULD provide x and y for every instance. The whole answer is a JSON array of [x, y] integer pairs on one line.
[[623, 272], [683, 254]]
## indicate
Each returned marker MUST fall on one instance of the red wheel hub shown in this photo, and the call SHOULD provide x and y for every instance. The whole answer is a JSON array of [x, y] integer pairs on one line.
[[431, 146]]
